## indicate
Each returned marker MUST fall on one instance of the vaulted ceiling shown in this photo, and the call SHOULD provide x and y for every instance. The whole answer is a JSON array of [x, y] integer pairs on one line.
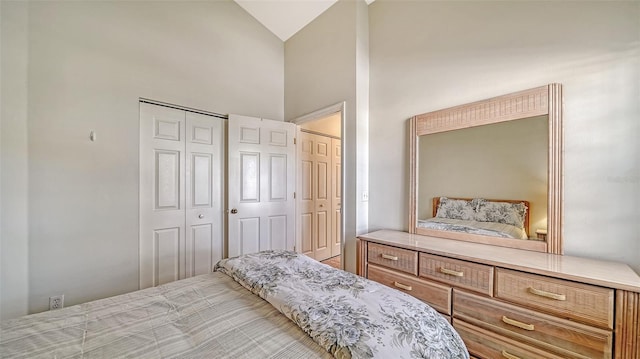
[[286, 17]]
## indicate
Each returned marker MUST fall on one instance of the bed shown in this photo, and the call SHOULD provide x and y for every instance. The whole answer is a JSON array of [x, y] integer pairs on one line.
[[272, 304], [488, 217]]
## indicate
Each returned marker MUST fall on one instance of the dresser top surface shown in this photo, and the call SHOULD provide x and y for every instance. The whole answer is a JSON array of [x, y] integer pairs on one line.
[[604, 273]]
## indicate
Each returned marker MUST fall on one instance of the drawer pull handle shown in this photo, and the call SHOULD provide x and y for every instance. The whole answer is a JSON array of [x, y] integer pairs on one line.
[[451, 272], [550, 295], [518, 324], [402, 286], [389, 256], [509, 356]]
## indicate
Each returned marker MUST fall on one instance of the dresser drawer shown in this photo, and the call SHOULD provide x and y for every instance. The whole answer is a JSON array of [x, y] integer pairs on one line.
[[472, 276], [436, 295], [484, 344], [560, 336], [580, 302], [401, 259]]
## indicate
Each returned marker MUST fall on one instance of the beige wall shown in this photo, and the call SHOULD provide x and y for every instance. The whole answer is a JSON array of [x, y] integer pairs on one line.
[[431, 55], [14, 271], [506, 160], [324, 65], [88, 63]]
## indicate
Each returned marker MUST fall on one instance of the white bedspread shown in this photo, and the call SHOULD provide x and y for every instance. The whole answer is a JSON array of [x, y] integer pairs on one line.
[[208, 316]]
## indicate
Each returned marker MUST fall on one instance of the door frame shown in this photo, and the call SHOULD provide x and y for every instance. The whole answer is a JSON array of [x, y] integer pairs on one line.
[[316, 115]]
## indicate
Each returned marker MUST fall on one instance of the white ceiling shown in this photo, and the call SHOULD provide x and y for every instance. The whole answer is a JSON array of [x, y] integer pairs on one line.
[[286, 17]]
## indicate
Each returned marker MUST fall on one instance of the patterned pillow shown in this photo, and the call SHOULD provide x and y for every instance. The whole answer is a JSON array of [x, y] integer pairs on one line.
[[455, 209], [501, 212]]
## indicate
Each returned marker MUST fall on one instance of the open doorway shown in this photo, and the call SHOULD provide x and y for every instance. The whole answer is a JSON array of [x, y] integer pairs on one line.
[[319, 186]]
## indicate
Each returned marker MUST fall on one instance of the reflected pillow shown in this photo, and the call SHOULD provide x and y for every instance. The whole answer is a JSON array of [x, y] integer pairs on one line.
[[455, 209], [501, 212]]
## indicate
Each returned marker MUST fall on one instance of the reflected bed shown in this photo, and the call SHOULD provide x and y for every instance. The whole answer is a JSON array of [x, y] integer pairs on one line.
[[488, 217]]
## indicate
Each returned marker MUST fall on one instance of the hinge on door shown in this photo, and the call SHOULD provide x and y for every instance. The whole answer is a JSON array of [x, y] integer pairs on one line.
[[294, 195], [294, 140]]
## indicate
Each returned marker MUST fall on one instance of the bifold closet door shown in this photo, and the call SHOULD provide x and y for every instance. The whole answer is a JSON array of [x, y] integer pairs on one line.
[[336, 196], [316, 195], [180, 194]]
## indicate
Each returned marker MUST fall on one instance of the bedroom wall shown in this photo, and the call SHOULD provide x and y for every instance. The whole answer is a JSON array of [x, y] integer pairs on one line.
[[327, 63], [89, 62], [14, 271], [426, 56]]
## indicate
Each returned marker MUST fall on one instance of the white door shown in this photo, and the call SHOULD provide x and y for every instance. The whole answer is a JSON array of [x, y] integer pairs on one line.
[[180, 194], [336, 195], [204, 200], [261, 182], [315, 214]]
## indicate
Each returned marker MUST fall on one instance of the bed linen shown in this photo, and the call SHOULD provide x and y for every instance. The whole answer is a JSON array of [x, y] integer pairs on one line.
[[207, 316], [348, 315], [475, 227]]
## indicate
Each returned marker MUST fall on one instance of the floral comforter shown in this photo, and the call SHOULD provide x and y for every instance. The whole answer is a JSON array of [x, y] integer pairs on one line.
[[350, 316]]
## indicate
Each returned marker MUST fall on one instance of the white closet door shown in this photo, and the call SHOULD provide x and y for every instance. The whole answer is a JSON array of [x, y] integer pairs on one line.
[[261, 181], [203, 231], [316, 197], [180, 181], [162, 195], [307, 225], [336, 195]]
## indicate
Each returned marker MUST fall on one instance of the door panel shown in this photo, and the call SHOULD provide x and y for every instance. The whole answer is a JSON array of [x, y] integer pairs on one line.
[[261, 185], [278, 178], [166, 255], [248, 235], [201, 164], [322, 180], [201, 244], [306, 233], [167, 176], [250, 177], [277, 232]]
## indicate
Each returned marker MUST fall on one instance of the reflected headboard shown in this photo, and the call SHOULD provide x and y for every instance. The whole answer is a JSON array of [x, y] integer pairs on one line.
[[436, 203]]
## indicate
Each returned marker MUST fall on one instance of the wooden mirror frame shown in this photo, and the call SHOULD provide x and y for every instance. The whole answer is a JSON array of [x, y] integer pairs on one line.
[[539, 101]]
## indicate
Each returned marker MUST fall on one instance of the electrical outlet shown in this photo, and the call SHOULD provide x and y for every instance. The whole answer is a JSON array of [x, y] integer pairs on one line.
[[56, 302]]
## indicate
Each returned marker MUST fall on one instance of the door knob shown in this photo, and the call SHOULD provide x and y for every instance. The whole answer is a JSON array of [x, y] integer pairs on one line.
[[201, 216], [234, 211]]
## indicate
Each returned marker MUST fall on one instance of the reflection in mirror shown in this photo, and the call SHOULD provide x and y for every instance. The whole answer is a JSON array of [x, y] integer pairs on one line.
[[484, 164], [496, 163]]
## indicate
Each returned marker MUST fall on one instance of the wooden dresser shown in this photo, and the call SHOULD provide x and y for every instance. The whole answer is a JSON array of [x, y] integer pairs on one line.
[[510, 303]]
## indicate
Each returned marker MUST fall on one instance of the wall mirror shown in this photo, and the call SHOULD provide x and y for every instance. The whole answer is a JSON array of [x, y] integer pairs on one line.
[[490, 171]]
